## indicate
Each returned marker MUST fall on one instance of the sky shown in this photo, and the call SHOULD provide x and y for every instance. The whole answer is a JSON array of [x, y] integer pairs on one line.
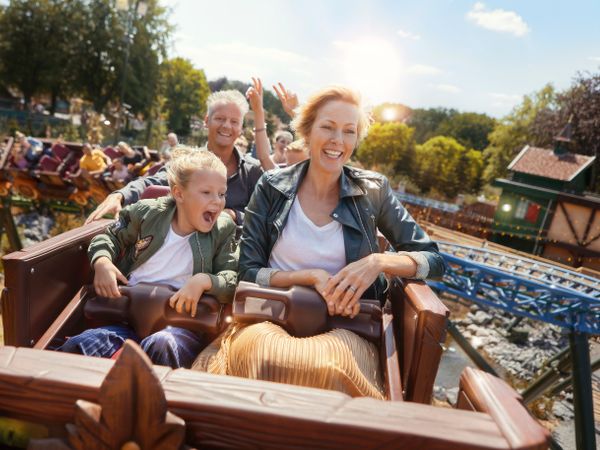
[[469, 55]]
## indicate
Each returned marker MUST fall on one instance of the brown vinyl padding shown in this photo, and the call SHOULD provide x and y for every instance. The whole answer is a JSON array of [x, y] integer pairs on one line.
[[337, 360], [145, 307], [301, 311]]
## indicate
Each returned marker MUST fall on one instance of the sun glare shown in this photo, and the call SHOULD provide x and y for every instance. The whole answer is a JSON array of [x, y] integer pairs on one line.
[[388, 114], [372, 65]]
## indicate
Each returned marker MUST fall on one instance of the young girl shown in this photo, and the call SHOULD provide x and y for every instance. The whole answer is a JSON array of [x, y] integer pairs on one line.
[[183, 240]]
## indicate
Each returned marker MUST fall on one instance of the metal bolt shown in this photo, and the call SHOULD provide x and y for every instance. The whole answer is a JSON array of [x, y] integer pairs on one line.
[[31, 342], [32, 270]]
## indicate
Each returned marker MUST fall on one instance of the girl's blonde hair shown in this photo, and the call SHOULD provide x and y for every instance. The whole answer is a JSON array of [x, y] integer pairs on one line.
[[307, 113], [187, 160]]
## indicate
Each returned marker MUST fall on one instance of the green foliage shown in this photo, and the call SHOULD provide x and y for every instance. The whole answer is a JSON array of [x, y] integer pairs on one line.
[[470, 129], [447, 167], [185, 91], [36, 44], [514, 131], [426, 122], [389, 147], [78, 47]]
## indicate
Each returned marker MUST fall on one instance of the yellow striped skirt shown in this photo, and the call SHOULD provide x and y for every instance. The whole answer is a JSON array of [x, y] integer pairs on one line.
[[339, 359]]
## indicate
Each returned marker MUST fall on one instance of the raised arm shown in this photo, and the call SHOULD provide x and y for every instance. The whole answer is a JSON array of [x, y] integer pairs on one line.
[[131, 193], [263, 146], [288, 99]]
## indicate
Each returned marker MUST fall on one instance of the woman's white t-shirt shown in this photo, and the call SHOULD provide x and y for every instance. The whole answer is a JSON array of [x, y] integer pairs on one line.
[[304, 245], [172, 264]]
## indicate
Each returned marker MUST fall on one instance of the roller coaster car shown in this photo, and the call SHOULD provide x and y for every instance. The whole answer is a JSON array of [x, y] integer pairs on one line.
[[43, 302]]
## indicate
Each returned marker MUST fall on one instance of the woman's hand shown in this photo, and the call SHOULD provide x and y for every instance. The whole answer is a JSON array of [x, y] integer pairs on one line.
[[288, 99], [345, 288], [106, 276], [319, 279], [188, 296], [254, 94]]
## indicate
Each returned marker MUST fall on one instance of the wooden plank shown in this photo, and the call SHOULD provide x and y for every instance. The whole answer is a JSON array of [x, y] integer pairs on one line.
[[223, 411]]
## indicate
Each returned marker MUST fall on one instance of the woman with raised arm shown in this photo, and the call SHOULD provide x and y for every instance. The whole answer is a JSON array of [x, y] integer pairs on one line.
[[315, 224], [283, 138]]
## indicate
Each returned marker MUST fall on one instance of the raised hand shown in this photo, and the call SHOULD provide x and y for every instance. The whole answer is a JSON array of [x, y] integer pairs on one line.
[[288, 99], [254, 94]]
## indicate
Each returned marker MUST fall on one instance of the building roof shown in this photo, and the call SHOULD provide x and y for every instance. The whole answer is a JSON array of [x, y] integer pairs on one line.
[[543, 162]]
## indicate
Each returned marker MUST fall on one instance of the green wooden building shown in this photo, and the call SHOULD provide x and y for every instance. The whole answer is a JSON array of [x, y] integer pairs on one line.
[[541, 185]]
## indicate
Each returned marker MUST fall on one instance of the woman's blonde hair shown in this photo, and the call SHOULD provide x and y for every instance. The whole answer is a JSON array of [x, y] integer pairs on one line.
[[307, 113], [187, 160]]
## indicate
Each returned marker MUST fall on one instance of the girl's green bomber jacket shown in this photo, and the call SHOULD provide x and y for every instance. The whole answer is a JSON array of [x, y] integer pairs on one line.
[[141, 230]]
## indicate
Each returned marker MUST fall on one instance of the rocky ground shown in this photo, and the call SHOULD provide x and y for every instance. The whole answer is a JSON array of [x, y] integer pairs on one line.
[[518, 355]]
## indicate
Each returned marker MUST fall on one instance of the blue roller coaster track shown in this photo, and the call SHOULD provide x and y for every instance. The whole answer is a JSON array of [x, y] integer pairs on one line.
[[522, 286]]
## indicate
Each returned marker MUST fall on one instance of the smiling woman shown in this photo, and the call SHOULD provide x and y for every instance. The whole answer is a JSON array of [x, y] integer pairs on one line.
[[315, 224]]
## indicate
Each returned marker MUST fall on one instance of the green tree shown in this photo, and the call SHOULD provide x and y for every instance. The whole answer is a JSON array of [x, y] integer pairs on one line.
[[579, 105], [36, 45], [389, 148], [470, 129], [102, 46], [148, 49], [426, 122], [514, 131], [445, 166], [185, 91]]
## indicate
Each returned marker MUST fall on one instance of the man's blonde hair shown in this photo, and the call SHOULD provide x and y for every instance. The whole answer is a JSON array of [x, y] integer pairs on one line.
[[307, 114], [187, 160], [225, 98]]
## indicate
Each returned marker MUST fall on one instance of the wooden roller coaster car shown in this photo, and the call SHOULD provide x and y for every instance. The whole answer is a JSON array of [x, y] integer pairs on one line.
[[98, 403]]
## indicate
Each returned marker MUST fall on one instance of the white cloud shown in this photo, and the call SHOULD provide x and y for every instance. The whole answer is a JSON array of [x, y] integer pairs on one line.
[[240, 61], [594, 58], [408, 35], [423, 69], [450, 88], [498, 20]]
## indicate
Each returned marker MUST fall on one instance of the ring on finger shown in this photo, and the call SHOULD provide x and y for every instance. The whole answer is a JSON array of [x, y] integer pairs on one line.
[[352, 288]]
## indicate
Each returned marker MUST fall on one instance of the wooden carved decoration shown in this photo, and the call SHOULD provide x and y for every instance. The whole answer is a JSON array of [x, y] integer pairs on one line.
[[132, 414]]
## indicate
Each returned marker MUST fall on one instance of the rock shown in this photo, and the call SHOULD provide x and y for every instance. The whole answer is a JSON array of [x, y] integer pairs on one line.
[[439, 393], [519, 335], [452, 395], [481, 318], [562, 410]]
